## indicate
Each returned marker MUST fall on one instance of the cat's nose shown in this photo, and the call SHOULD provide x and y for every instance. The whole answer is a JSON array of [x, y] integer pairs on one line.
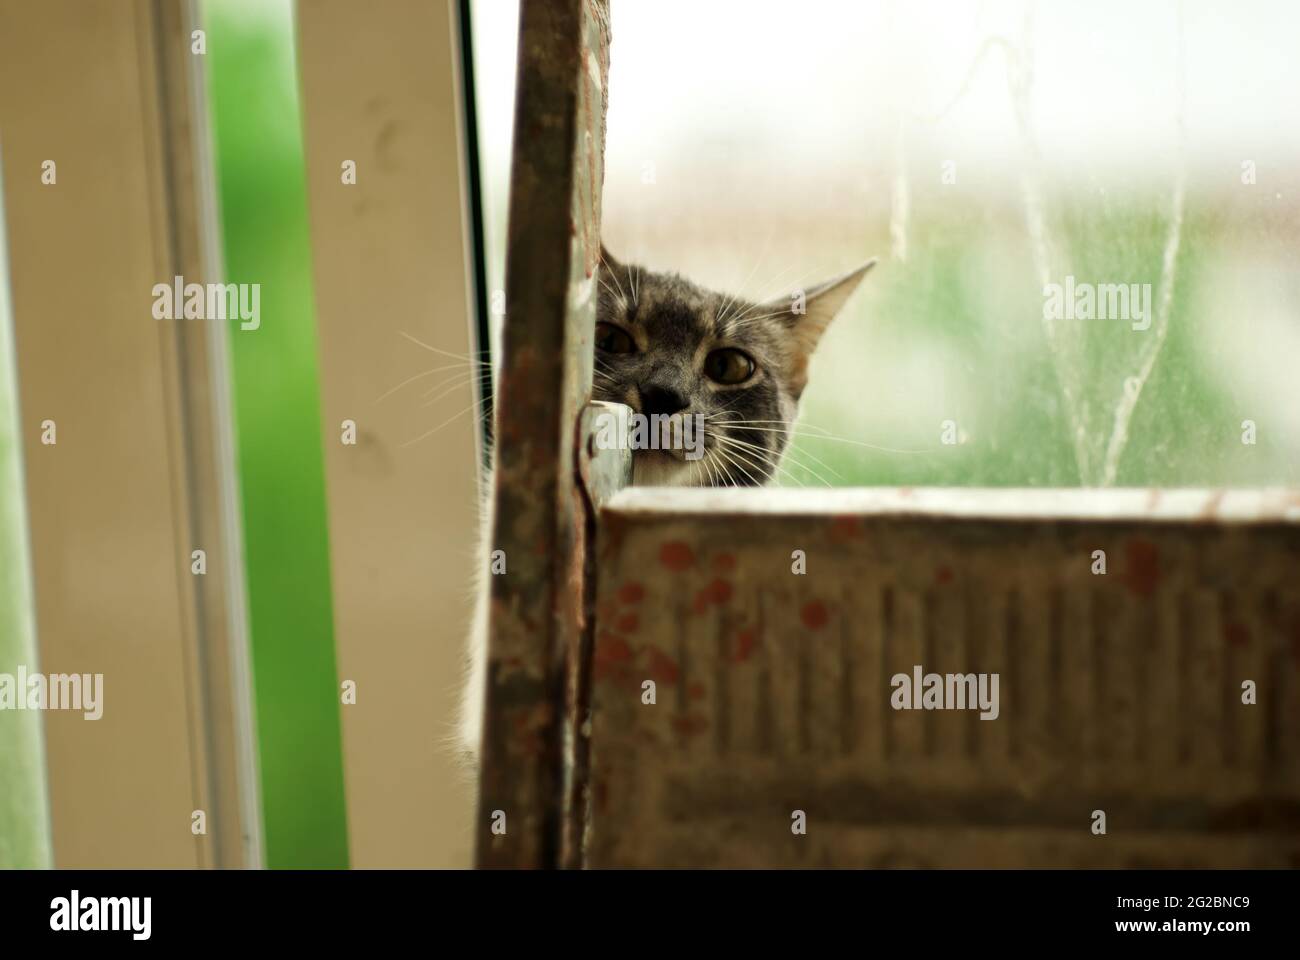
[[662, 400]]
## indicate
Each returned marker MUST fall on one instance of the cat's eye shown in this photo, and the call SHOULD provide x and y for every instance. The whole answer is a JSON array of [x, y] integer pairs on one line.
[[728, 366], [612, 339]]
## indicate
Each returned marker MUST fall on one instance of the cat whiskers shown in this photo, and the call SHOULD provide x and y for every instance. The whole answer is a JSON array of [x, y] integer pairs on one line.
[[726, 467], [702, 466], [619, 295], [821, 434], [731, 312], [733, 450], [746, 317], [765, 456], [459, 383], [786, 433], [722, 469], [453, 417], [600, 369], [734, 457], [445, 353], [469, 372], [732, 300], [466, 365], [745, 321], [459, 367], [715, 470], [634, 282]]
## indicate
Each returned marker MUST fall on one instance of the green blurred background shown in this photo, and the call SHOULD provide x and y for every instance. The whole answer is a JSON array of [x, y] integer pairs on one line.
[[24, 807], [253, 89], [812, 139]]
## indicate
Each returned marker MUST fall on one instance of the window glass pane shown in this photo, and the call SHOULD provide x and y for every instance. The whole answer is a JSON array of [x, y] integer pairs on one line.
[[495, 33], [1086, 216]]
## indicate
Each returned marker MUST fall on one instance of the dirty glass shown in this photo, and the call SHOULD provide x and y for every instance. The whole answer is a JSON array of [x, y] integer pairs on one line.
[[1086, 218]]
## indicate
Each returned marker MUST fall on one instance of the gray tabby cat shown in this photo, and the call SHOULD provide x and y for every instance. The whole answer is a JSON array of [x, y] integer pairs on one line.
[[667, 346]]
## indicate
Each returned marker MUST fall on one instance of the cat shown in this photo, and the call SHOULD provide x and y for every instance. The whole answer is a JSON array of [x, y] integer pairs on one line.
[[667, 346]]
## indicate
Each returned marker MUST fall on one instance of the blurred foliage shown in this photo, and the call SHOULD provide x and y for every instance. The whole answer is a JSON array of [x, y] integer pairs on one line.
[[965, 309], [263, 206], [24, 820]]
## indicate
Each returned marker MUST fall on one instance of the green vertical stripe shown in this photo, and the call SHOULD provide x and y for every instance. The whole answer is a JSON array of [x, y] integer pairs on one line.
[[24, 816], [263, 204]]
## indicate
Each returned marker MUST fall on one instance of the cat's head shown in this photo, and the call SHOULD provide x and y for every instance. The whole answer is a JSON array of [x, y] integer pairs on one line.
[[665, 345]]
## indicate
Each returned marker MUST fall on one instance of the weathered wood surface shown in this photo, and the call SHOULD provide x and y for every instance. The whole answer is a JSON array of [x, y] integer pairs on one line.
[[1118, 692], [603, 471], [541, 519]]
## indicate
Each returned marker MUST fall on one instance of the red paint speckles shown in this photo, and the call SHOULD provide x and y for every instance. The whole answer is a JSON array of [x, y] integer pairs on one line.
[[612, 660], [631, 592], [814, 615], [724, 563], [647, 737], [718, 591], [676, 556], [661, 667], [611, 648], [1236, 635], [690, 725], [943, 575], [1143, 569], [628, 623], [695, 691], [746, 641], [846, 528]]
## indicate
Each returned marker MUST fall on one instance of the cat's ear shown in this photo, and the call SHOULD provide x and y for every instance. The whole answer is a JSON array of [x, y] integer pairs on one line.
[[807, 314], [812, 311]]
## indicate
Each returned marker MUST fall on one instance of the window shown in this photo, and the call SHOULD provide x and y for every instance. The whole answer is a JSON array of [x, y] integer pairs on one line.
[[984, 153], [749, 647]]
